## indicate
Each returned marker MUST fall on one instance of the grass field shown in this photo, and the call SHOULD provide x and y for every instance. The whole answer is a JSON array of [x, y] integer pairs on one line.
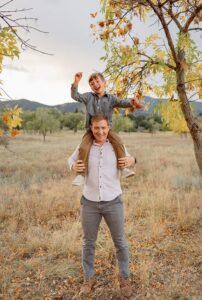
[[41, 237]]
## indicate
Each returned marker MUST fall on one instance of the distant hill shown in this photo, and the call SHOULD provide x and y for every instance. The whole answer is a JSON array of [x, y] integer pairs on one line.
[[28, 105]]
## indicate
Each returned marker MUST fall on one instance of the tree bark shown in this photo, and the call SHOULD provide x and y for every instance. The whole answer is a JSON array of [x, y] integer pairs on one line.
[[192, 124]]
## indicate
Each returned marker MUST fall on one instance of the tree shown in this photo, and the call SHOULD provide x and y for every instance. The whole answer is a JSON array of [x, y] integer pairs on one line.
[[11, 23], [171, 58], [8, 48], [10, 122], [121, 123], [74, 121], [44, 122]]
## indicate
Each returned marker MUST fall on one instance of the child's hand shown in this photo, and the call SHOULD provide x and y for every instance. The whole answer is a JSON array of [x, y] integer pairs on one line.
[[77, 77], [135, 103]]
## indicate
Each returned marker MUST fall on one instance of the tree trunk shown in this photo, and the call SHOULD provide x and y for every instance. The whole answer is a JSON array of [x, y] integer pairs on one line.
[[192, 124]]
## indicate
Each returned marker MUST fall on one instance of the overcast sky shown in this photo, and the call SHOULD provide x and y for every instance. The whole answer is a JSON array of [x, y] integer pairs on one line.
[[44, 78], [47, 79]]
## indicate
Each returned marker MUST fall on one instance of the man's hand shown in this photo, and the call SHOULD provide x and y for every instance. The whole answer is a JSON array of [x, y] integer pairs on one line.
[[125, 162], [78, 166], [77, 78]]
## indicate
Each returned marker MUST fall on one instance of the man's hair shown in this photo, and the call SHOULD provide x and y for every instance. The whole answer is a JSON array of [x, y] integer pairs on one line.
[[95, 75], [99, 117]]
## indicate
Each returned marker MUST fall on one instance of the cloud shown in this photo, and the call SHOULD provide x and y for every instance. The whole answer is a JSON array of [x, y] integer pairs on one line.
[[15, 68]]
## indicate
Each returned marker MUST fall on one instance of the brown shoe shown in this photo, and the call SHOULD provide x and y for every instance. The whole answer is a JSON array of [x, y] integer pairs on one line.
[[125, 286], [87, 287]]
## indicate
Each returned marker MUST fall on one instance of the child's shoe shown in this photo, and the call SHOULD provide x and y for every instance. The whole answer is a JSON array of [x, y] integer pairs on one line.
[[78, 180], [125, 173]]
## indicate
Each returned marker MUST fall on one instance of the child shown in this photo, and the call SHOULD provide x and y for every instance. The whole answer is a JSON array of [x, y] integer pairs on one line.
[[98, 101]]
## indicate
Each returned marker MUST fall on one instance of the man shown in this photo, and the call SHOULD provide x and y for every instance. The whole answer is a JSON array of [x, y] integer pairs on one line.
[[98, 101], [102, 198]]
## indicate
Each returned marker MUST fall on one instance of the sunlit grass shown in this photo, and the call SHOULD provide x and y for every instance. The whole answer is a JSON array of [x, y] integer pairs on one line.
[[40, 228]]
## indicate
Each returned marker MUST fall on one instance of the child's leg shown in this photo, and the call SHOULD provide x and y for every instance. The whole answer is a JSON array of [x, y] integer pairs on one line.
[[120, 152], [84, 150], [117, 144]]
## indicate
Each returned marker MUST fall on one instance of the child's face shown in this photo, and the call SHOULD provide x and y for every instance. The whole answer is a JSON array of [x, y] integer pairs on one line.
[[98, 86]]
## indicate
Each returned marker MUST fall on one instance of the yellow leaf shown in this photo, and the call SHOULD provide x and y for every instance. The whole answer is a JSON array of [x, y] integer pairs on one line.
[[93, 15], [160, 54], [14, 132], [116, 110]]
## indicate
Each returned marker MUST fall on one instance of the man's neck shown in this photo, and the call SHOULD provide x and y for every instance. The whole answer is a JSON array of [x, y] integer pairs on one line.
[[100, 143]]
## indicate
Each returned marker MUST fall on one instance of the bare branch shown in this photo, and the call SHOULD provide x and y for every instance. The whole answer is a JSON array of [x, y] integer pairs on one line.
[[16, 10], [6, 93], [169, 1], [155, 62], [195, 28], [159, 13], [194, 94], [27, 27], [14, 23], [197, 79], [191, 18], [6, 3], [173, 17]]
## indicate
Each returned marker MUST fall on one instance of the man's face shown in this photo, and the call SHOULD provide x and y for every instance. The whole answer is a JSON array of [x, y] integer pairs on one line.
[[100, 130], [98, 86]]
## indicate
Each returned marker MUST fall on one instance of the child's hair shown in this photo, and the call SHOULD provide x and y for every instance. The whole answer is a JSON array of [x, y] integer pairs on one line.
[[95, 75], [99, 117]]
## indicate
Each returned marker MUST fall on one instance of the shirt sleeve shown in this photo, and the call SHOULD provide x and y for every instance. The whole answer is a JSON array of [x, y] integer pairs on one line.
[[73, 158], [126, 151], [121, 103], [82, 98]]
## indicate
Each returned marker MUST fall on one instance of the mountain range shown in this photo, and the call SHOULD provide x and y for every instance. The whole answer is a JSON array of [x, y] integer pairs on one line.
[[28, 105]]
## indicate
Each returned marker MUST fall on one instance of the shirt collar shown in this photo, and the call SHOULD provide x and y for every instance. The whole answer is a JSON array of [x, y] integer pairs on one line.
[[96, 144], [105, 94]]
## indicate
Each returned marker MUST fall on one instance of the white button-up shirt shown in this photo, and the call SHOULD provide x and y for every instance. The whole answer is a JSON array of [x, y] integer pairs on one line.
[[102, 183]]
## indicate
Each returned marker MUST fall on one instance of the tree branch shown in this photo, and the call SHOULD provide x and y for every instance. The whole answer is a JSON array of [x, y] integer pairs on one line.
[[191, 18], [6, 3], [196, 28], [13, 23], [173, 17], [159, 13]]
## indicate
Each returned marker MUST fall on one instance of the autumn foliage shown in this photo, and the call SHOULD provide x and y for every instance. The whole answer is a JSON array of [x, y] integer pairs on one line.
[[11, 118], [152, 48]]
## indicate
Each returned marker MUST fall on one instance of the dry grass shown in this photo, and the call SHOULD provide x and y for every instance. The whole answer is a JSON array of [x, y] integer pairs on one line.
[[40, 246]]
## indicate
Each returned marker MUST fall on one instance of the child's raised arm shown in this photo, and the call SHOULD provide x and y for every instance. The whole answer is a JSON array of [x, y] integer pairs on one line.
[[77, 78]]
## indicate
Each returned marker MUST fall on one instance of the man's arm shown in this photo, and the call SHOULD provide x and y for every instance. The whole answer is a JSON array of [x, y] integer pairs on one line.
[[73, 163], [82, 98], [126, 161]]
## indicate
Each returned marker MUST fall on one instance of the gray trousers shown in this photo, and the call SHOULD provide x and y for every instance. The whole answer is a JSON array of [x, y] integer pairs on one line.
[[91, 215]]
